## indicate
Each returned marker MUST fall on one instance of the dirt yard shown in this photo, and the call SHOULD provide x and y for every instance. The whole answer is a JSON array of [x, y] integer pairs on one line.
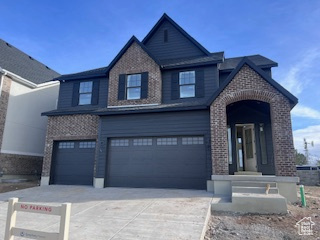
[[8, 187], [236, 226]]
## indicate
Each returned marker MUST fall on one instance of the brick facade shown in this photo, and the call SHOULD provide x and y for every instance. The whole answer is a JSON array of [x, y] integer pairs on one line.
[[135, 60], [13, 164], [69, 127], [249, 85], [4, 100]]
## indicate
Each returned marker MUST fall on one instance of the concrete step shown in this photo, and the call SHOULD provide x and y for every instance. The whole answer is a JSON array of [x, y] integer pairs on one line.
[[253, 184], [260, 190], [253, 203], [248, 173]]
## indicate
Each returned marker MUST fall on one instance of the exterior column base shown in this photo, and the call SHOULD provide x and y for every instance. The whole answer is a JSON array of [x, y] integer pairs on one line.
[[44, 181], [98, 182]]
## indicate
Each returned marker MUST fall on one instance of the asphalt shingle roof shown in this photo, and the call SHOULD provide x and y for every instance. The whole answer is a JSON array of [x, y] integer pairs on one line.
[[261, 61], [84, 74], [21, 64]]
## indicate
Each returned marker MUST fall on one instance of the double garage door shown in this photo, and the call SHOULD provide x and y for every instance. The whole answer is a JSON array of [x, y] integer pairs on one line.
[[160, 162], [153, 162]]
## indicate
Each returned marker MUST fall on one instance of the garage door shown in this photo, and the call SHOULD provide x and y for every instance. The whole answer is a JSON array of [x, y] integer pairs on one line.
[[157, 162], [73, 162]]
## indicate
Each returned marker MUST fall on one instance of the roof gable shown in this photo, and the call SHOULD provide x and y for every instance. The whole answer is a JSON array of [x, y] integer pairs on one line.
[[125, 48], [180, 44], [246, 61], [21, 64]]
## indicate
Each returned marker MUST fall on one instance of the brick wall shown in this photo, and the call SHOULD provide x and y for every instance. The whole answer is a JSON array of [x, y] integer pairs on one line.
[[135, 60], [4, 100], [13, 164], [69, 127], [248, 85]]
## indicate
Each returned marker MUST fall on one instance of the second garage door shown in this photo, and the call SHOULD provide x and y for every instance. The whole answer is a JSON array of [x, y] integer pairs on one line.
[[157, 162]]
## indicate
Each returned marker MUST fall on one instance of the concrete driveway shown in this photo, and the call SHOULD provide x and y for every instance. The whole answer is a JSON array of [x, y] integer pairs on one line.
[[116, 213]]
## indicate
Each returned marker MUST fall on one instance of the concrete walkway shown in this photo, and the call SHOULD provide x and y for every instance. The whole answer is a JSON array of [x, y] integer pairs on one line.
[[116, 213]]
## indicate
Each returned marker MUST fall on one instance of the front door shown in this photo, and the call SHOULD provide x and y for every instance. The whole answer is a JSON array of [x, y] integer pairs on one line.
[[250, 160]]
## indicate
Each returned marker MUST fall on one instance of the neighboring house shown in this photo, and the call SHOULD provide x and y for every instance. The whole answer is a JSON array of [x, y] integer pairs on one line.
[[25, 92], [168, 113]]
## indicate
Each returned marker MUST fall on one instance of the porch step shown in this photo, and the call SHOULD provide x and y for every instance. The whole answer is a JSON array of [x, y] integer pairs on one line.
[[253, 184], [253, 203], [248, 173], [260, 190]]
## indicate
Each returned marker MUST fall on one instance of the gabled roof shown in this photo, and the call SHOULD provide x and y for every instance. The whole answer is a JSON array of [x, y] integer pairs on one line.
[[165, 17], [97, 72], [257, 69], [125, 48], [21, 64], [231, 63]]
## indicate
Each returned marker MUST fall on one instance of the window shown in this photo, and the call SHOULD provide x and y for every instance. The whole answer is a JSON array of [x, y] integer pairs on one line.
[[167, 141], [187, 82], [87, 144], [85, 93], [133, 86], [192, 140], [142, 142], [229, 145], [120, 142], [66, 145]]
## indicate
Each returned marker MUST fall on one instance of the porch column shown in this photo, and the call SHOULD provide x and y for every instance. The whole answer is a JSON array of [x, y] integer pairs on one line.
[[282, 137], [219, 140]]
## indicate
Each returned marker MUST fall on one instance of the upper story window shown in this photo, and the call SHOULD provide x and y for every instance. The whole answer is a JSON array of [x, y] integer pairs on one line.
[[133, 86], [187, 84], [85, 93]]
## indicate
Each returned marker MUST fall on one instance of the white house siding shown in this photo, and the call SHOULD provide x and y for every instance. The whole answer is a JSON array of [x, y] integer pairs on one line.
[[25, 128]]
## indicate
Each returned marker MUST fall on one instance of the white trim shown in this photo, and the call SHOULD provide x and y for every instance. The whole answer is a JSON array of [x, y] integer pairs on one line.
[[1, 80], [27, 82], [139, 105], [22, 153]]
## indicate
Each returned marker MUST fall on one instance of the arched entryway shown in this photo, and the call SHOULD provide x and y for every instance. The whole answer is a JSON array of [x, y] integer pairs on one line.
[[250, 147]]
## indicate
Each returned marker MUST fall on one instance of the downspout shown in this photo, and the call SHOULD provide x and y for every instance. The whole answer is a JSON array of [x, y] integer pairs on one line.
[[2, 74]]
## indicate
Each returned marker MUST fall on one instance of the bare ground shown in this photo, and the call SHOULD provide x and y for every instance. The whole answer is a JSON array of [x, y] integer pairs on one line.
[[253, 226], [8, 187]]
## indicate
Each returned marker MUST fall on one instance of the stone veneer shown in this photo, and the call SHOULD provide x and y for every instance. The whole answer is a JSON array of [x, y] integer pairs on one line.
[[249, 85], [68, 127], [135, 60]]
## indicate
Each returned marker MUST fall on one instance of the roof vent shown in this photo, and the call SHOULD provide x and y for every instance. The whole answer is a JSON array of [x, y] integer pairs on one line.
[[8, 44], [31, 58], [48, 68]]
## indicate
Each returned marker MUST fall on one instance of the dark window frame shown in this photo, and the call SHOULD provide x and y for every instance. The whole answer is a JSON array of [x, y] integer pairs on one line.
[[83, 93], [127, 88], [181, 85]]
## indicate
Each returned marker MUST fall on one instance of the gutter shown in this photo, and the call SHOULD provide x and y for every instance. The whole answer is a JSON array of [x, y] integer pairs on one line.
[[26, 82]]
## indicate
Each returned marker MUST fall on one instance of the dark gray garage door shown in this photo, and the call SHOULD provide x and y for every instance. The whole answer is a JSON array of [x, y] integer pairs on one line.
[[157, 162], [73, 162]]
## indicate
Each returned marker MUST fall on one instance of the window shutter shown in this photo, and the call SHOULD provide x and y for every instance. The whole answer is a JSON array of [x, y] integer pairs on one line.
[[144, 85], [122, 87], [95, 92], [75, 94], [199, 83], [175, 91]]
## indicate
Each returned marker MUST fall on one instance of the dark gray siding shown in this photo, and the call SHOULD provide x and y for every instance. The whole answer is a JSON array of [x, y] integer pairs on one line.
[[66, 93], [155, 124], [177, 46], [211, 83]]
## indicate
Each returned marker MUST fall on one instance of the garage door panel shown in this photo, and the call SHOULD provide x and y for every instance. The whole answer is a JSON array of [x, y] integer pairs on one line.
[[166, 163], [73, 162]]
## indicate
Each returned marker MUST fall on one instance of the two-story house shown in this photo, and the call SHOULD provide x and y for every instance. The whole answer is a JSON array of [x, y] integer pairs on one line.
[[167, 113], [25, 92]]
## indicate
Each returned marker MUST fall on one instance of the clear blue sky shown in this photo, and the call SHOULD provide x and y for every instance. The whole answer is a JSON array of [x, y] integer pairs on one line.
[[72, 36]]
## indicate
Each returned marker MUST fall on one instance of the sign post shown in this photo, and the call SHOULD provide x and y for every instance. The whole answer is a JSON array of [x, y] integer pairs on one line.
[[14, 205]]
